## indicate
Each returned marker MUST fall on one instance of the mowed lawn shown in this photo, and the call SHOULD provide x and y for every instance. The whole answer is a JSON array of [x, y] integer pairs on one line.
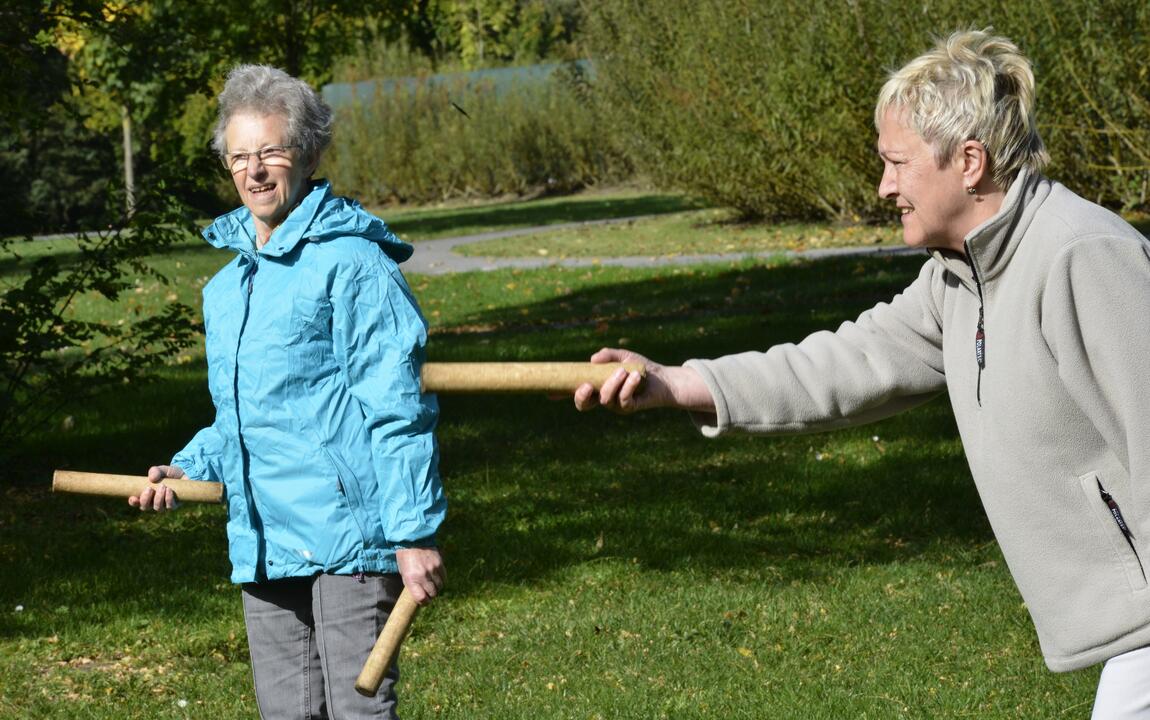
[[599, 566]]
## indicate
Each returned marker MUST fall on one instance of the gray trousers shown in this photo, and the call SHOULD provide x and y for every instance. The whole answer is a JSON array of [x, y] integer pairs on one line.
[[309, 638]]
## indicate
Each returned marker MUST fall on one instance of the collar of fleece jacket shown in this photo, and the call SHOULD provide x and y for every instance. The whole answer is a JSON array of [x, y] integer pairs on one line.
[[991, 245]]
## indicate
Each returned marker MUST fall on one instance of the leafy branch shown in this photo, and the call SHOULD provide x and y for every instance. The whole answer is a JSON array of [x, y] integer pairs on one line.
[[50, 356]]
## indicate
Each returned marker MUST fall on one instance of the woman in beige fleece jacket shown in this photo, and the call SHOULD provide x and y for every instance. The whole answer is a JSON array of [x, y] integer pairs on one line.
[[1033, 314]]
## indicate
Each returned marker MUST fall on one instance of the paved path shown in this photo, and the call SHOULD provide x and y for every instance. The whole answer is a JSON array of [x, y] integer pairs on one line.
[[437, 257]]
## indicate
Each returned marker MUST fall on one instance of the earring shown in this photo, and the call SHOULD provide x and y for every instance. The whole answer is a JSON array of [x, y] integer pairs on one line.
[[970, 190]]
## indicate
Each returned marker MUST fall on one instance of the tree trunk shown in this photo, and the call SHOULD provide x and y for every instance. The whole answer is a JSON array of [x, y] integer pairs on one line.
[[129, 170]]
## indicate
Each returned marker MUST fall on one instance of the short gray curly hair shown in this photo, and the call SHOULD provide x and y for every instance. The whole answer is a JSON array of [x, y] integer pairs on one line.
[[265, 90], [971, 86]]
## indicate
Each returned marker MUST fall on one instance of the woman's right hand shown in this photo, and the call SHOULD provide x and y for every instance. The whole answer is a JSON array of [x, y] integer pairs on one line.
[[159, 498], [628, 392]]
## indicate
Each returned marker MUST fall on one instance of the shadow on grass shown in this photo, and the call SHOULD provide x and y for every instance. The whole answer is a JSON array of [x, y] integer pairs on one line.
[[671, 315], [535, 487], [75, 563], [656, 493], [520, 214]]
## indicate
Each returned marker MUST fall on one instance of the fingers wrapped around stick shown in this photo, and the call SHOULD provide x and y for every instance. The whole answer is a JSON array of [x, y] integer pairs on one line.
[[651, 385]]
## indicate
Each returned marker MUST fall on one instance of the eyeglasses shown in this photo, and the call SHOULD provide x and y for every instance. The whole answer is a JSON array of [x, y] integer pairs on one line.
[[269, 155]]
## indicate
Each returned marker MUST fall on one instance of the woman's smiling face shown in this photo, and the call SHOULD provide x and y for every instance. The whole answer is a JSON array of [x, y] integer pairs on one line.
[[268, 187], [932, 201]]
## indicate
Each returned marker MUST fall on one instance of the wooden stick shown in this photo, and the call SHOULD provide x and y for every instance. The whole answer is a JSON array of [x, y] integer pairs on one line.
[[87, 483], [511, 377], [387, 645]]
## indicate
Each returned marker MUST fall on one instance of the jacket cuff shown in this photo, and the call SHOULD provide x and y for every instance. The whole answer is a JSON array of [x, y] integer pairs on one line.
[[710, 424], [191, 468], [422, 543]]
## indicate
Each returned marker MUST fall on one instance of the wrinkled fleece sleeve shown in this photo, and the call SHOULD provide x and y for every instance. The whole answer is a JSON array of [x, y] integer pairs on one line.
[[380, 339], [1096, 321], [200, 458], [888, 360]]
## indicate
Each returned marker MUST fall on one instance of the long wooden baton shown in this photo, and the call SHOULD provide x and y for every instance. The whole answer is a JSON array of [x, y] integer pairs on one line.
[[518, 377], [89, 483], [387, 645]]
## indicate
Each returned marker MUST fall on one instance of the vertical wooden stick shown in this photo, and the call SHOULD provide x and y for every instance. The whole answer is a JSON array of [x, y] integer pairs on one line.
[[387, 645]]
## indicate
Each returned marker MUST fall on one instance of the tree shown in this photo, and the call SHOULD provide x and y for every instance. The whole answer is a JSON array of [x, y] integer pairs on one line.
[[483, 31], [48, 356], [42, 142]]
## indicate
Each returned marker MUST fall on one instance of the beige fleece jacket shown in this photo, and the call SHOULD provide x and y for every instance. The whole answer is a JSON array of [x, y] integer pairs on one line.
[[1059, 412]]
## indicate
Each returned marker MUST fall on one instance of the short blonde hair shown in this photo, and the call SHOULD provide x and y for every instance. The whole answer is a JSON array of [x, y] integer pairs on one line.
[[971, 86]]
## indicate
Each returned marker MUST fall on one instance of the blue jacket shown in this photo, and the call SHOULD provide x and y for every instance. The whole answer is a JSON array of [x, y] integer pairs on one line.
[[321, 436]]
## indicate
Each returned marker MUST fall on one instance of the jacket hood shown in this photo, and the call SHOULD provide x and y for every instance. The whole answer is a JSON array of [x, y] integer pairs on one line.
[[319, 217]]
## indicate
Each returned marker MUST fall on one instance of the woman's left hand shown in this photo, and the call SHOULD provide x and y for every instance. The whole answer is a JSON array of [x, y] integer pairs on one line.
[[422, 571]]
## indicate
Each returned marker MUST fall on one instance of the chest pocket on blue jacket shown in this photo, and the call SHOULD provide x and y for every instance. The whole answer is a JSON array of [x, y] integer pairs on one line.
[[309, 329]]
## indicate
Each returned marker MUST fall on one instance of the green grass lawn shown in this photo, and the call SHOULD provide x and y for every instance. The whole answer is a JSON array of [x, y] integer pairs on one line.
[[599, 566], [457, 219], [697, 232]]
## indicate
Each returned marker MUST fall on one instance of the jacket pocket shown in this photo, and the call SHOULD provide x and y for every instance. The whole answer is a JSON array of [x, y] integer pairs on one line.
[[348, 488], [1115, 527]]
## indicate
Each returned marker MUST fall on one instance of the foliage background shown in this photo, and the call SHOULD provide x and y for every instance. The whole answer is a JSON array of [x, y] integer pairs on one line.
[[425, 142], [76, 68], [761, 106], [768, 107], [758, 106]]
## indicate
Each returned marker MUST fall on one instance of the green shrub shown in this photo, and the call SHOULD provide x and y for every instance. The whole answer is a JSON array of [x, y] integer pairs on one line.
[[768, 107], [434, 141], [64, 331], [1094, 96]]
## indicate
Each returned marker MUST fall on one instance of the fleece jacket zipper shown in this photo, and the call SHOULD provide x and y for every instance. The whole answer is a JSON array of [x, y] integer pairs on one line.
[[1116, 513], [980, 330]]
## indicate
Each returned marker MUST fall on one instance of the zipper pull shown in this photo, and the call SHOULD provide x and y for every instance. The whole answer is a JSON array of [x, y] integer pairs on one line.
[[980, 342], [1116, 513]]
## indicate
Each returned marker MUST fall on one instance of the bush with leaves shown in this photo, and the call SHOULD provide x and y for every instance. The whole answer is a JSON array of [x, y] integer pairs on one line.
[[52, 356], [435, 139], [768, 106]]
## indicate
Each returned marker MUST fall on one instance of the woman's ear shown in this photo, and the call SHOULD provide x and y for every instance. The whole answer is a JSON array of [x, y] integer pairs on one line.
[[975, 163]]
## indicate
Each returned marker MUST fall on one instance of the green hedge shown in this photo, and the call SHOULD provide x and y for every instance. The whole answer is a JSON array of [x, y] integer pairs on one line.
[[768, 106], [435, 141]]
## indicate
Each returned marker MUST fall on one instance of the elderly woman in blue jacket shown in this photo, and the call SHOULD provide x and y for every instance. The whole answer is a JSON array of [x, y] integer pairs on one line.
[[321, 435]]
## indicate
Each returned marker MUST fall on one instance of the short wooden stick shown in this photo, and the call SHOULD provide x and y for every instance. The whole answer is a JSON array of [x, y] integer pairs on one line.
[[387, 645], [88, 483]]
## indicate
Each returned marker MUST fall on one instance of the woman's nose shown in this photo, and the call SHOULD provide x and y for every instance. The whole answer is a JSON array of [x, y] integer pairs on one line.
[[256, 166], [887, 187]]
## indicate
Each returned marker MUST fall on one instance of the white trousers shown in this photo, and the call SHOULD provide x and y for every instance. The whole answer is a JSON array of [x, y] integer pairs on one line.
[[1124, 688]]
